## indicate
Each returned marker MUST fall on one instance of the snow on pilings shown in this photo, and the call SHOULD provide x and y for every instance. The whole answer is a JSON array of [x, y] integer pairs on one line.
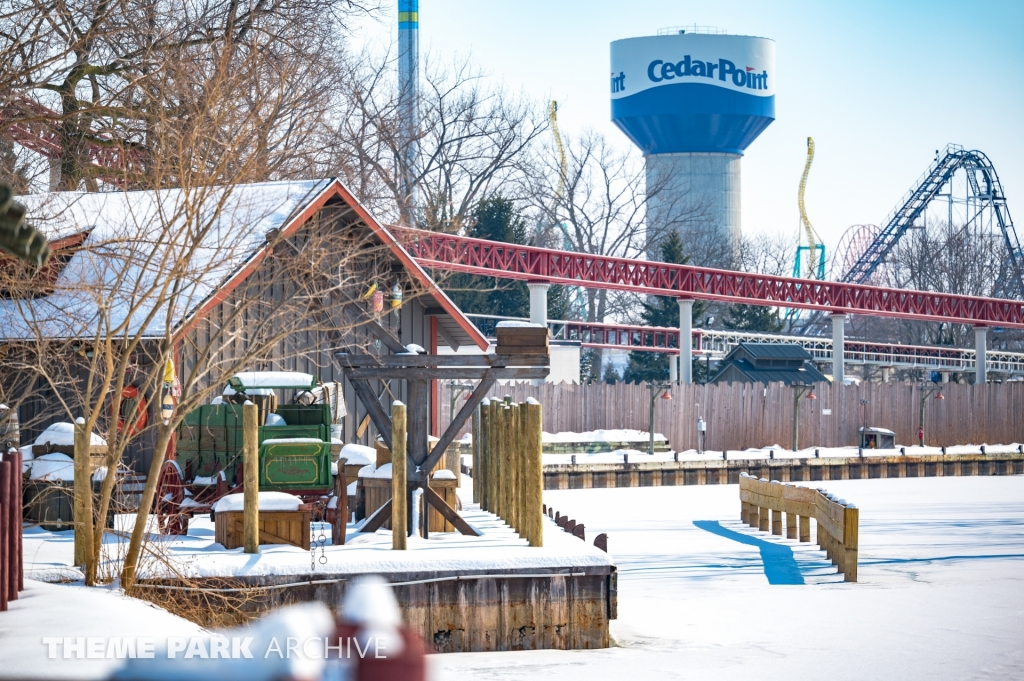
[[837, 521]]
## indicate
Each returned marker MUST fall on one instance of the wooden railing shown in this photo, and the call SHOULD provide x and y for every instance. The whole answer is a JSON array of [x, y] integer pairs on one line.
[[763, 504]]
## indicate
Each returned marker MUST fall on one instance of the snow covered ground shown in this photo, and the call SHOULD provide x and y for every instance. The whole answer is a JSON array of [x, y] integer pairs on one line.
[[48, 555], [701, 596], [770, 452], [49, 610]]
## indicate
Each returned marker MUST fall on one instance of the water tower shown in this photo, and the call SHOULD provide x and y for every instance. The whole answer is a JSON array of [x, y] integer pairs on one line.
[[693, 100]]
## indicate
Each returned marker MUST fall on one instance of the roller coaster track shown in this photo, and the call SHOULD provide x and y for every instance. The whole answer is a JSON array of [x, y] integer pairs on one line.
[[448, 252], [954, 158]]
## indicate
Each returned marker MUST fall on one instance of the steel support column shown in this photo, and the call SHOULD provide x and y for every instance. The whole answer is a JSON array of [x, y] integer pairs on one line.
[[685, 341], [539, 303], [838, 337], [980, 346]]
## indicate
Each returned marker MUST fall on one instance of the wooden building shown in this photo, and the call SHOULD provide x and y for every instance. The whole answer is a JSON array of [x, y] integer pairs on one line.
[[261, 248], [768, 363]]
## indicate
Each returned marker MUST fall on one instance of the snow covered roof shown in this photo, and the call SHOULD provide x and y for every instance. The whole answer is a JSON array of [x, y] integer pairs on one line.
[[271, 379], [143, 227]]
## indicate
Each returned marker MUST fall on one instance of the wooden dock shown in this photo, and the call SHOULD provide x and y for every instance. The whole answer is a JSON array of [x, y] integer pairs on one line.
[[727, 471]]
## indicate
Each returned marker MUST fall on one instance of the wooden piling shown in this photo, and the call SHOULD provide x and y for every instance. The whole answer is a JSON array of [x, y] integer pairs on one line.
[[535, 473], [805, 528], [475, 434], [251, 477], [776, 522], [399, 482], [513, 469], [493, 458]]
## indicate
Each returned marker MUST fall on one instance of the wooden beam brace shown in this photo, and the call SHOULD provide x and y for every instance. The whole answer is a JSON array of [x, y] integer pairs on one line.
[[441, 373], [448, 338], [376, 412], [434, 499], [455, 426], [361, 361], [377, 520]]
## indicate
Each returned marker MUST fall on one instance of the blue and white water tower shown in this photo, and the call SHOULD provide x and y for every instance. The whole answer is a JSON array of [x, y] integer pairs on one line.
[[693, 102]]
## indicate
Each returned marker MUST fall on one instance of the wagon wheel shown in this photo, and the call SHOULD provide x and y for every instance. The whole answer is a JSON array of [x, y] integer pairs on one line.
[[170, 494]]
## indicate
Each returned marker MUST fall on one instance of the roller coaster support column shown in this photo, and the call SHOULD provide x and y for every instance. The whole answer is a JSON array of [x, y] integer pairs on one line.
[[538, 309], [539, 303], [685, 341], [838, 322], [980, 376]]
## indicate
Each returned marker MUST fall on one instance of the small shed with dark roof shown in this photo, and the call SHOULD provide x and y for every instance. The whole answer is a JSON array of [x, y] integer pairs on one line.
[[768, 363]]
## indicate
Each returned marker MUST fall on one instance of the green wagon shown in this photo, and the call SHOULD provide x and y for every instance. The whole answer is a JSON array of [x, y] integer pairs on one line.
[[294, 446]]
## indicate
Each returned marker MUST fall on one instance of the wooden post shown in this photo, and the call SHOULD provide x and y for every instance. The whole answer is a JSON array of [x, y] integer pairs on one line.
[[763, 520], [535, 473], [776, 522], [805, 528], [514, 469], [340, 526], [791, 522], [475, 431], [399, 465], [755, 516], [744, 512], [505, 443], [251, 477], [83, 496], [493, 457], [851, 541]]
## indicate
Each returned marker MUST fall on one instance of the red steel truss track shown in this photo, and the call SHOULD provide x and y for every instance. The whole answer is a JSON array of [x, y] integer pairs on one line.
[[543, 265]]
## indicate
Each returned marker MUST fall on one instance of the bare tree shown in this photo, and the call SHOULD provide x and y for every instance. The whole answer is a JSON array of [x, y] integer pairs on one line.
[[473, 141], [113, 71]]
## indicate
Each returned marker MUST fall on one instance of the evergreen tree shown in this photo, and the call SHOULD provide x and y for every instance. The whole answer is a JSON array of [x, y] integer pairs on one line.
[[496, 219], [660, 311], [752, 318]]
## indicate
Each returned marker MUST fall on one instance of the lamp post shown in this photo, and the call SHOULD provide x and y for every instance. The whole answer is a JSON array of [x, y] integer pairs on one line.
[[799, 390], [926, 391], [662, 390]]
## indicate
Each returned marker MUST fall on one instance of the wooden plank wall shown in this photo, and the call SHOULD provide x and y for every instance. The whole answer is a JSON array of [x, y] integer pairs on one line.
[[741, 415]]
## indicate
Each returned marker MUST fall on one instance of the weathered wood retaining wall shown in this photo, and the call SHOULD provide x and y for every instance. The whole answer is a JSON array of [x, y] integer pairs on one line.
[[471, 611], [722, 472]]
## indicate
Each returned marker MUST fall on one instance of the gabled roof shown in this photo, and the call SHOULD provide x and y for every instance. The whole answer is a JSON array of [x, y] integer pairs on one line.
[[773, 351], [144, 222], [739, 360]]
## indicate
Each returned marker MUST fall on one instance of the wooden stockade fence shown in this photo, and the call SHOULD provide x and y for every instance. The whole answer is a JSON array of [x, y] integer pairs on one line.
[[742, 415], [508, 472], [836, 521], [12, 574]]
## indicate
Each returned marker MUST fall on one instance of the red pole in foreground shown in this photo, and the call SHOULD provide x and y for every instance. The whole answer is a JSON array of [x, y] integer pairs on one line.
[[18, 512], [8, 573], [15, 519]]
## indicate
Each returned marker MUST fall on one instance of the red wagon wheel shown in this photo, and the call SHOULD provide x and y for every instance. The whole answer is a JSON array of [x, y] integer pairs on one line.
[[170, 494]]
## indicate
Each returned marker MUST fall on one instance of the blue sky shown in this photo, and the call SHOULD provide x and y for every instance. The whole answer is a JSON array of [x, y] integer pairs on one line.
[[879, 85]]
